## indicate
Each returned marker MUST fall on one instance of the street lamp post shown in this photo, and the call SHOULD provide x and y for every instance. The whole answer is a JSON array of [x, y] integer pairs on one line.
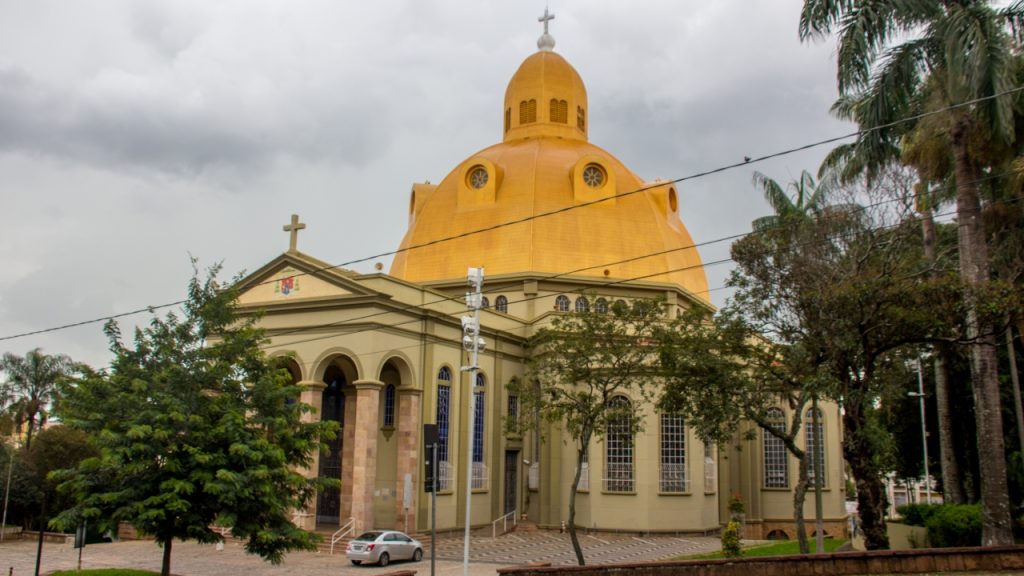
[[474, 344], [924, 430]]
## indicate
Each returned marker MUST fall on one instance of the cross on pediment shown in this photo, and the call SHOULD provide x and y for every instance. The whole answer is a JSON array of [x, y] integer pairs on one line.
[[293, 230]]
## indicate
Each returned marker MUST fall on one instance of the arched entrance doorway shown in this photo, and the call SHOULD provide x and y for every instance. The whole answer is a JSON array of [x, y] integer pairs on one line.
[[328, 502]]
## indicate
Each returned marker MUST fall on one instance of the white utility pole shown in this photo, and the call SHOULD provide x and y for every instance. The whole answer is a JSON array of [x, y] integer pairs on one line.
[[924, 430], [474, 344]]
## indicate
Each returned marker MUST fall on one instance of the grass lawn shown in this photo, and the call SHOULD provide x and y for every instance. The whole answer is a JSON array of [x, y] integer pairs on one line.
[[782, 548], [107, 572]]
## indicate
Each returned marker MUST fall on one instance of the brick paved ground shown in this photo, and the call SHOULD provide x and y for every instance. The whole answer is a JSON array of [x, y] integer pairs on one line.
[[486, 555]]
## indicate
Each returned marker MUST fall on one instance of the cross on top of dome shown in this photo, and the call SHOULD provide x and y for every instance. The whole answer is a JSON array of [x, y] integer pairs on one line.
[[546, 41]]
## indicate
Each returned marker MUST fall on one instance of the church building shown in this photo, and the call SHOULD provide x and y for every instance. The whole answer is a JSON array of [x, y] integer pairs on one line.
[[558, 224]]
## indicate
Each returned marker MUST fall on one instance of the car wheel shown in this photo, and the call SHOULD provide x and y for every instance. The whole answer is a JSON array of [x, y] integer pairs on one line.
[[357, 562], [384, 559], [417, 555]]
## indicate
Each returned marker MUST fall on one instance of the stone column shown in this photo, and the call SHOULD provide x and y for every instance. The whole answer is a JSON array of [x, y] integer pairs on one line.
[[312, 394], [347, 453], [409, 427], [364, 457]]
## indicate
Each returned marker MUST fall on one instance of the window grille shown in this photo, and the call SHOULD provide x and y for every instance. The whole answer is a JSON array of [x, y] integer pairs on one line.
[[444, 391], [710, 469], [618, 474], [389, 405], [562, 303], [479, 480], [513, 409], [776, 463], [501, 304], [582, 305], [814, 452], [673, 454], [478, 420], [584, 485]]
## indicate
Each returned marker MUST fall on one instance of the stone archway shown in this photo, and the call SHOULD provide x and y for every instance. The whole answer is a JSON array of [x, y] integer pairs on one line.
[[397, 480], [336, 404]]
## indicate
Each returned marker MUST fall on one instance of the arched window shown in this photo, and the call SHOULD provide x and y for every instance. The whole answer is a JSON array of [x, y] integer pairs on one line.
[[581, 118], [559, 111], [501, 304], [619, 307], [562, 303], [710, 468], [484, 302], [508, 119], [776, 464], [389, 406], [673, 454], [815, 451], [444, 396], [618, 457], [527, 111], [582, 305], [601, 306], [479, 468]]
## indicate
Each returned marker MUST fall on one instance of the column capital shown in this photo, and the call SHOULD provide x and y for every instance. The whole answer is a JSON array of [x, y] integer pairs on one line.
[[368, 384], [312, 384]]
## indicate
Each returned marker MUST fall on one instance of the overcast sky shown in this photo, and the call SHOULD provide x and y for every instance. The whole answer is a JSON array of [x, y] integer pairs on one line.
[[135, 133]]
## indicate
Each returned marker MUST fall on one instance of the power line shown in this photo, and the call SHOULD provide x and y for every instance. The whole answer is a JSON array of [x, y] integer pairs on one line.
[[697, 175]]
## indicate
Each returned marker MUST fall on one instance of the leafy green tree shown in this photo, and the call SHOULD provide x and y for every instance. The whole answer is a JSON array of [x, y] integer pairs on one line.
[[582, 365], [195, 426], [721, 372], [31, 386], [887, 51]]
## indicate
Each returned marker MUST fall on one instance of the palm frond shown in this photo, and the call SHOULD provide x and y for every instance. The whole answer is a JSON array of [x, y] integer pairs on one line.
[[1014, 16], [817, 17], [864, 30], [774, 194]]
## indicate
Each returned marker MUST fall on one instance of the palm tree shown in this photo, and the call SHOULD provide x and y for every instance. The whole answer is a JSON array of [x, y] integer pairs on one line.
[[888, 50], [32, 386], [807, 201]]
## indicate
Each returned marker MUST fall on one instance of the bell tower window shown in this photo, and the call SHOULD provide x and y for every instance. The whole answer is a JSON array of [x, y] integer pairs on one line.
[[527, 111], [581, 119], [559, 111], [508, 119]]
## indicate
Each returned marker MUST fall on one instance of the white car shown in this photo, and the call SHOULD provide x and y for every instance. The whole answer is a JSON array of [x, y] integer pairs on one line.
[[383, 546]]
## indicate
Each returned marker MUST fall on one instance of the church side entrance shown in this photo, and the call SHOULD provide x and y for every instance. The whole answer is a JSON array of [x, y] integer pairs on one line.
[[328, 502], [511, 475]]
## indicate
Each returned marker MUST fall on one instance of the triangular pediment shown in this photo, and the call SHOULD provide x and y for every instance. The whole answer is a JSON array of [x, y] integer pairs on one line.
[[295, 276]]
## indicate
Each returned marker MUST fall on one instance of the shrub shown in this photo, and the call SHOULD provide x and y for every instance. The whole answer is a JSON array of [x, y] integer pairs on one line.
[[917, 514], [731, 540], [955, 525]]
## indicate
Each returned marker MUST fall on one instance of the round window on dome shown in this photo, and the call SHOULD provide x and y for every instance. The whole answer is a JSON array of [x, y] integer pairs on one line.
[[594, 176], [477, 177]]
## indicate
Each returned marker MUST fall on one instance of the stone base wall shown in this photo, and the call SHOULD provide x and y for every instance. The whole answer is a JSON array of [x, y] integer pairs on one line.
[[994, 559], [772, 529]]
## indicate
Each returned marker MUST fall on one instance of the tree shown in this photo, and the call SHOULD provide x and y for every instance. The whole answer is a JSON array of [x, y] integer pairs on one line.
[[32, 385], [887, 51], [195, 426], [583, 365], [720, 372], [850, 291], [808, 200]]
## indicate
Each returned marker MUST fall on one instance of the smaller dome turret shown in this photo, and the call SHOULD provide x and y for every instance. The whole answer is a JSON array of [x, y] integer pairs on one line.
[[546, 97]]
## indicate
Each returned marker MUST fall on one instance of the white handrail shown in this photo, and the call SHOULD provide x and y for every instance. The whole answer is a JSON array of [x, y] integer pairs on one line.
[[504, 523], [342, 532]]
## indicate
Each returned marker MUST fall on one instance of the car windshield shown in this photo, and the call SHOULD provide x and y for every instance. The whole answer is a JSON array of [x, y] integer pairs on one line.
[[368, 536]]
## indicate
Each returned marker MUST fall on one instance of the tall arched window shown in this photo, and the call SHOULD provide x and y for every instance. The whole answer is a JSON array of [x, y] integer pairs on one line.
[[562, 303], [479, 467], [501, 304], [776, 463], [673, 454], [815, 451], [581, 118], [389, 406], [508, 119], [484, 302], [710, 468], [618, 456], [582, 305], [601, 306], [444, 396]]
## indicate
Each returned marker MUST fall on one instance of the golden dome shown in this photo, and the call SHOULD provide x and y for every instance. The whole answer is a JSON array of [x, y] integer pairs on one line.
[[545, 165]]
